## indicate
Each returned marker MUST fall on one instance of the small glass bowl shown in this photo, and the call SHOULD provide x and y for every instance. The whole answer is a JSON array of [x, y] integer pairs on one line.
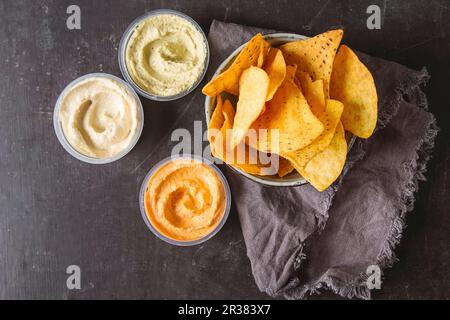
[[123, 49], [60, 133], [155, 231]]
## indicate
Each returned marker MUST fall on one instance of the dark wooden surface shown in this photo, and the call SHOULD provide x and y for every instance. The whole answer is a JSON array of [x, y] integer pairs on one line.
[[56, 211]]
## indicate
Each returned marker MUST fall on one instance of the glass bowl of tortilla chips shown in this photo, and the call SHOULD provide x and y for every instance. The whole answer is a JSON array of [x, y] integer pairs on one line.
[[284, 109]]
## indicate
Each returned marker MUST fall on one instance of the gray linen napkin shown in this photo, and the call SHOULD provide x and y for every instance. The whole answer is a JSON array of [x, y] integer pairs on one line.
[[299, 240]]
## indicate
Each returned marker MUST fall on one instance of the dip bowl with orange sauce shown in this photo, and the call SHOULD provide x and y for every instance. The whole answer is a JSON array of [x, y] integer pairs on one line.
[[185, 200]]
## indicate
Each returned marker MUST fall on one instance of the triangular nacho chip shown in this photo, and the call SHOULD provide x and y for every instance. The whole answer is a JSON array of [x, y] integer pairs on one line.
[[229, 79], [314, 55], [250, 160], [253, 87], [263, 52], [216, 121], [275, 68], [313, 91], [289, 123], [285, 167], [353, 85], [290, 72], [325, 167], [330, 119]]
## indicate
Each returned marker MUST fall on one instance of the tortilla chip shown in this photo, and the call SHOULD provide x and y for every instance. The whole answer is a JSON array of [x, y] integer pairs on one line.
[[313, 92], [218, 143], [263, 52], [314, 55], [253, 87], [330, 119], [289, 122], [250, 161], [285, 167], [275, 68], [216, 121], [290, 72], [322, 170], [216, 125], [253, 164], [228, 113], [229, 79], [353, 85]]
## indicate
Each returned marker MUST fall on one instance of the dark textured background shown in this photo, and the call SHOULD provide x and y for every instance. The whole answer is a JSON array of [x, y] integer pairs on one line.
[[56, 211]]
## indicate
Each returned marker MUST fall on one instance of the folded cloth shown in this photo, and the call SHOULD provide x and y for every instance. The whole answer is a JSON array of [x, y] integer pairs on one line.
[[299, 240]]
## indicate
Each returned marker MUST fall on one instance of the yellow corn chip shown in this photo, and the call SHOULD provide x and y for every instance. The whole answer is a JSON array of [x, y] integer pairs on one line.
[[325, 167], [220, 148], [263, 52], [229, 79], [285, 167], [313, 92], [253, 87], [290, 72], [330, 119], [314, 55], [289, 122], [216, 121], [353, 85], [275, 68]]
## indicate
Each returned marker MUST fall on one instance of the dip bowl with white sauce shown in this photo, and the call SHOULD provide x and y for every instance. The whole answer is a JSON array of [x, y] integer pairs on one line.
[[98, 118], [164, 55]]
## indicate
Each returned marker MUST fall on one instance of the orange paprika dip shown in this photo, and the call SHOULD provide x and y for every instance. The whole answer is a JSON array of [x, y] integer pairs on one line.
[[185, 199]]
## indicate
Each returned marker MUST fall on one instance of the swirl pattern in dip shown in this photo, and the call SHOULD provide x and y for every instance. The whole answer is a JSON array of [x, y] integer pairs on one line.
[[185, 199], [99, 117], [165, 55]]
